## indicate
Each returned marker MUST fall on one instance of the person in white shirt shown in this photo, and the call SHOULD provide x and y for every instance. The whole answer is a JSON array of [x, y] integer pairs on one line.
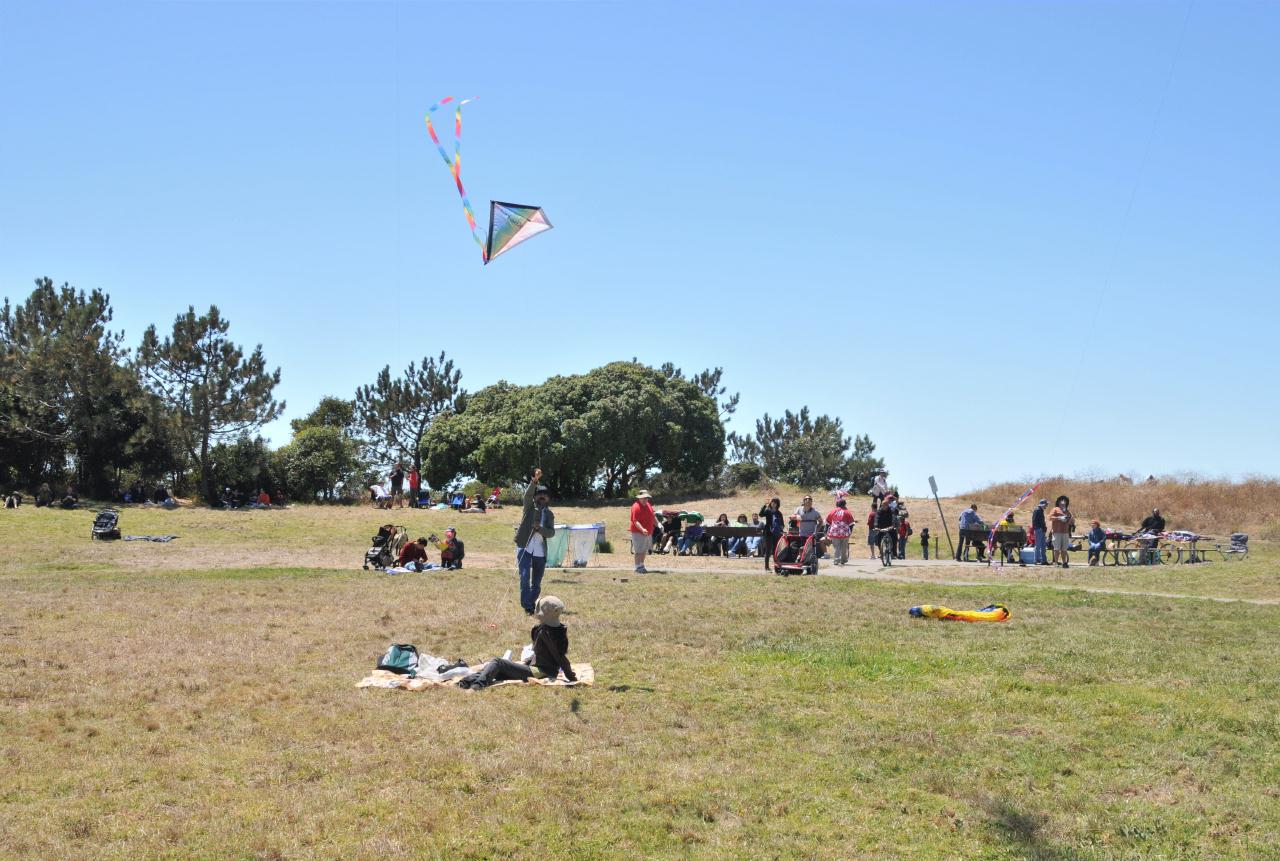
[[537, 526]]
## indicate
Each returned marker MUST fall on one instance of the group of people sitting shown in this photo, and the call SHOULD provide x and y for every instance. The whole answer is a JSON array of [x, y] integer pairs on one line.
[[682, 533], [413, 555], [45, 498]]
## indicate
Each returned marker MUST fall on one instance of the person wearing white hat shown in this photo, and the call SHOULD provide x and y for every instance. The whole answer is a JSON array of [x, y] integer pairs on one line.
[[642, 522]]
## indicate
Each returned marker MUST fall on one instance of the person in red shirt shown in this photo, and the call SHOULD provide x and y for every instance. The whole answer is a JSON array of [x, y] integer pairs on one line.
[[839, 528], [642, 523], [415, 481], [871, 530], [413, 554]]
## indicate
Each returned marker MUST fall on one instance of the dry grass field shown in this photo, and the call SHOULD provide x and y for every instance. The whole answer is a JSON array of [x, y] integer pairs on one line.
[[198, 700]]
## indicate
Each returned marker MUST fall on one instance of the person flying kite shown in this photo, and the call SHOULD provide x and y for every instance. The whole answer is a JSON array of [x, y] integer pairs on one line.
[[509, 223]]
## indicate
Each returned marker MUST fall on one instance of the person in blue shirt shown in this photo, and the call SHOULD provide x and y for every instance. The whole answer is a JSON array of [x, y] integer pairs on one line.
[[1097, 538], [969, 519]]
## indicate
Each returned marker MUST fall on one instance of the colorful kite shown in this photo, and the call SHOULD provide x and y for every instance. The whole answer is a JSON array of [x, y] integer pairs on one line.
[[990, 613], [509, 223]]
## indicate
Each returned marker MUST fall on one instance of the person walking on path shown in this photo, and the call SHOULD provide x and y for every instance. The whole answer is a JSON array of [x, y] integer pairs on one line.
[[871, 529], [839, 528], [771, 521], [642, 523], [807, 517], [537, 527], [1061, 522], [1039, 528]]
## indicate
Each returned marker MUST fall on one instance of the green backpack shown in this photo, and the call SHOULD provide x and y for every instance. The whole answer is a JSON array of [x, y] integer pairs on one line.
[[401, 658]]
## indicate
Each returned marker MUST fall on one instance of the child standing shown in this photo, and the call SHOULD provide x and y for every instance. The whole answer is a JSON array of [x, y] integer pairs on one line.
[[924, 542]]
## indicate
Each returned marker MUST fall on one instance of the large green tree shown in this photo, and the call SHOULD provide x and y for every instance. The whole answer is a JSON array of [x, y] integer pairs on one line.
[[66, 398], [811, 452], [212, 389], [324, 455], [604, 430], [395, 413]]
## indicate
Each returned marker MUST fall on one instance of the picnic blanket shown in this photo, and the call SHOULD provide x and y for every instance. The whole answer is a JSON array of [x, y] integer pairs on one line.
[[387, 679], [161, 539]]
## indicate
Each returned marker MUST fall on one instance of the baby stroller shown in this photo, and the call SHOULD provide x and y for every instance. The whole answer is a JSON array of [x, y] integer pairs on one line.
[[106, 526], [796, 554], [385, 547]]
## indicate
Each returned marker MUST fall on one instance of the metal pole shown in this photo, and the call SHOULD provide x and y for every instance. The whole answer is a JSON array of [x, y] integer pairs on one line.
[[933, 485]]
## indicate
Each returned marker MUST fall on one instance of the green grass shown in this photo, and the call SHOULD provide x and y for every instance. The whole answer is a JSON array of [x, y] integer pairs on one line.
[[195, 701]]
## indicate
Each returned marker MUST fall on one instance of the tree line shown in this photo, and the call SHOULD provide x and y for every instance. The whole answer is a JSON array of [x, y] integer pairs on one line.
[[185, 407]]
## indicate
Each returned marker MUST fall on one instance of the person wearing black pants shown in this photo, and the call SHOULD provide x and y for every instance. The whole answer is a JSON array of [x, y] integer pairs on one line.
[[771, 522]]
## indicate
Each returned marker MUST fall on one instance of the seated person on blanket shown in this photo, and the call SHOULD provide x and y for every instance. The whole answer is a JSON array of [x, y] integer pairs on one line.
[[413, 555], [451, 550], [550, 647]]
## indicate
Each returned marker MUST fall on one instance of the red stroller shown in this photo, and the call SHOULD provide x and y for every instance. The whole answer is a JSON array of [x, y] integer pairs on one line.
[[796, 554]]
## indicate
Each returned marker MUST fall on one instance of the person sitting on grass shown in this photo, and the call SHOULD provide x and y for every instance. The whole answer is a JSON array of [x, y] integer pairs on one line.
[[451, 550], [550, 641], [1097, 537], [379, 495], [413, 555]]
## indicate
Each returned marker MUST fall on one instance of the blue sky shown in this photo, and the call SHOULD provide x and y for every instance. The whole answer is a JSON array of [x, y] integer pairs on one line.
[[1003, 239]]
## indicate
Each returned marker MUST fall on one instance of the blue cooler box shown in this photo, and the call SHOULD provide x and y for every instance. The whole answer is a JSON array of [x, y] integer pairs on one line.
[[1028, 555]]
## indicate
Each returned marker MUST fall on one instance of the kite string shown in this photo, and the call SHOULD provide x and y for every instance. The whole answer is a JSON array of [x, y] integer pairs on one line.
[[455, 164], [991, 538]]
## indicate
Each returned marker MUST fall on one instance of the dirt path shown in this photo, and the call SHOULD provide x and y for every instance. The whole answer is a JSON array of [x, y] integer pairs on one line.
[[866, 569]]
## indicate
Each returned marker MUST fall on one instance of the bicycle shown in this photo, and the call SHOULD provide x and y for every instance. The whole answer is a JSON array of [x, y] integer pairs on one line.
[[888, 542]]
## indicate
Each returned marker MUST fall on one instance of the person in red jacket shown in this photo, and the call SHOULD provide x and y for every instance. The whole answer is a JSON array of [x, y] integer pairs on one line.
[[413, 555], [642, 523]]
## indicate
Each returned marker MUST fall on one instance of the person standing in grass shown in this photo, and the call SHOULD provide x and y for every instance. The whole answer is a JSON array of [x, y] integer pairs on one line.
[[642, 522], [839, 529], [771, 522], [537, 527], [397, 485], [1061, 522], [1039, 528], [924, 543], [415, 481]]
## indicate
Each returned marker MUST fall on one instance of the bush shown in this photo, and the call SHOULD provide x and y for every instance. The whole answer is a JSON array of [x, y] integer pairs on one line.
[[743, 474]]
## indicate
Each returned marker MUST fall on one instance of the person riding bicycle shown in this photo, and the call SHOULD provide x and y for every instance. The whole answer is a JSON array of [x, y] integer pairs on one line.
[[886, 531]]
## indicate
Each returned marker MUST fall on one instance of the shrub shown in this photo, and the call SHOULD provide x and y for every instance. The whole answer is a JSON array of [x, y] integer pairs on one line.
[[743, 474]]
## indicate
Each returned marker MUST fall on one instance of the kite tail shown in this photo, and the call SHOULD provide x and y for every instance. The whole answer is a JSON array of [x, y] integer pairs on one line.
[[455, 164]]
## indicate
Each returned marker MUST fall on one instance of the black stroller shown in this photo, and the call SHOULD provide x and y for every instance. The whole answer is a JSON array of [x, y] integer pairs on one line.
[[385, 547], [106, 526], [796, 554]]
